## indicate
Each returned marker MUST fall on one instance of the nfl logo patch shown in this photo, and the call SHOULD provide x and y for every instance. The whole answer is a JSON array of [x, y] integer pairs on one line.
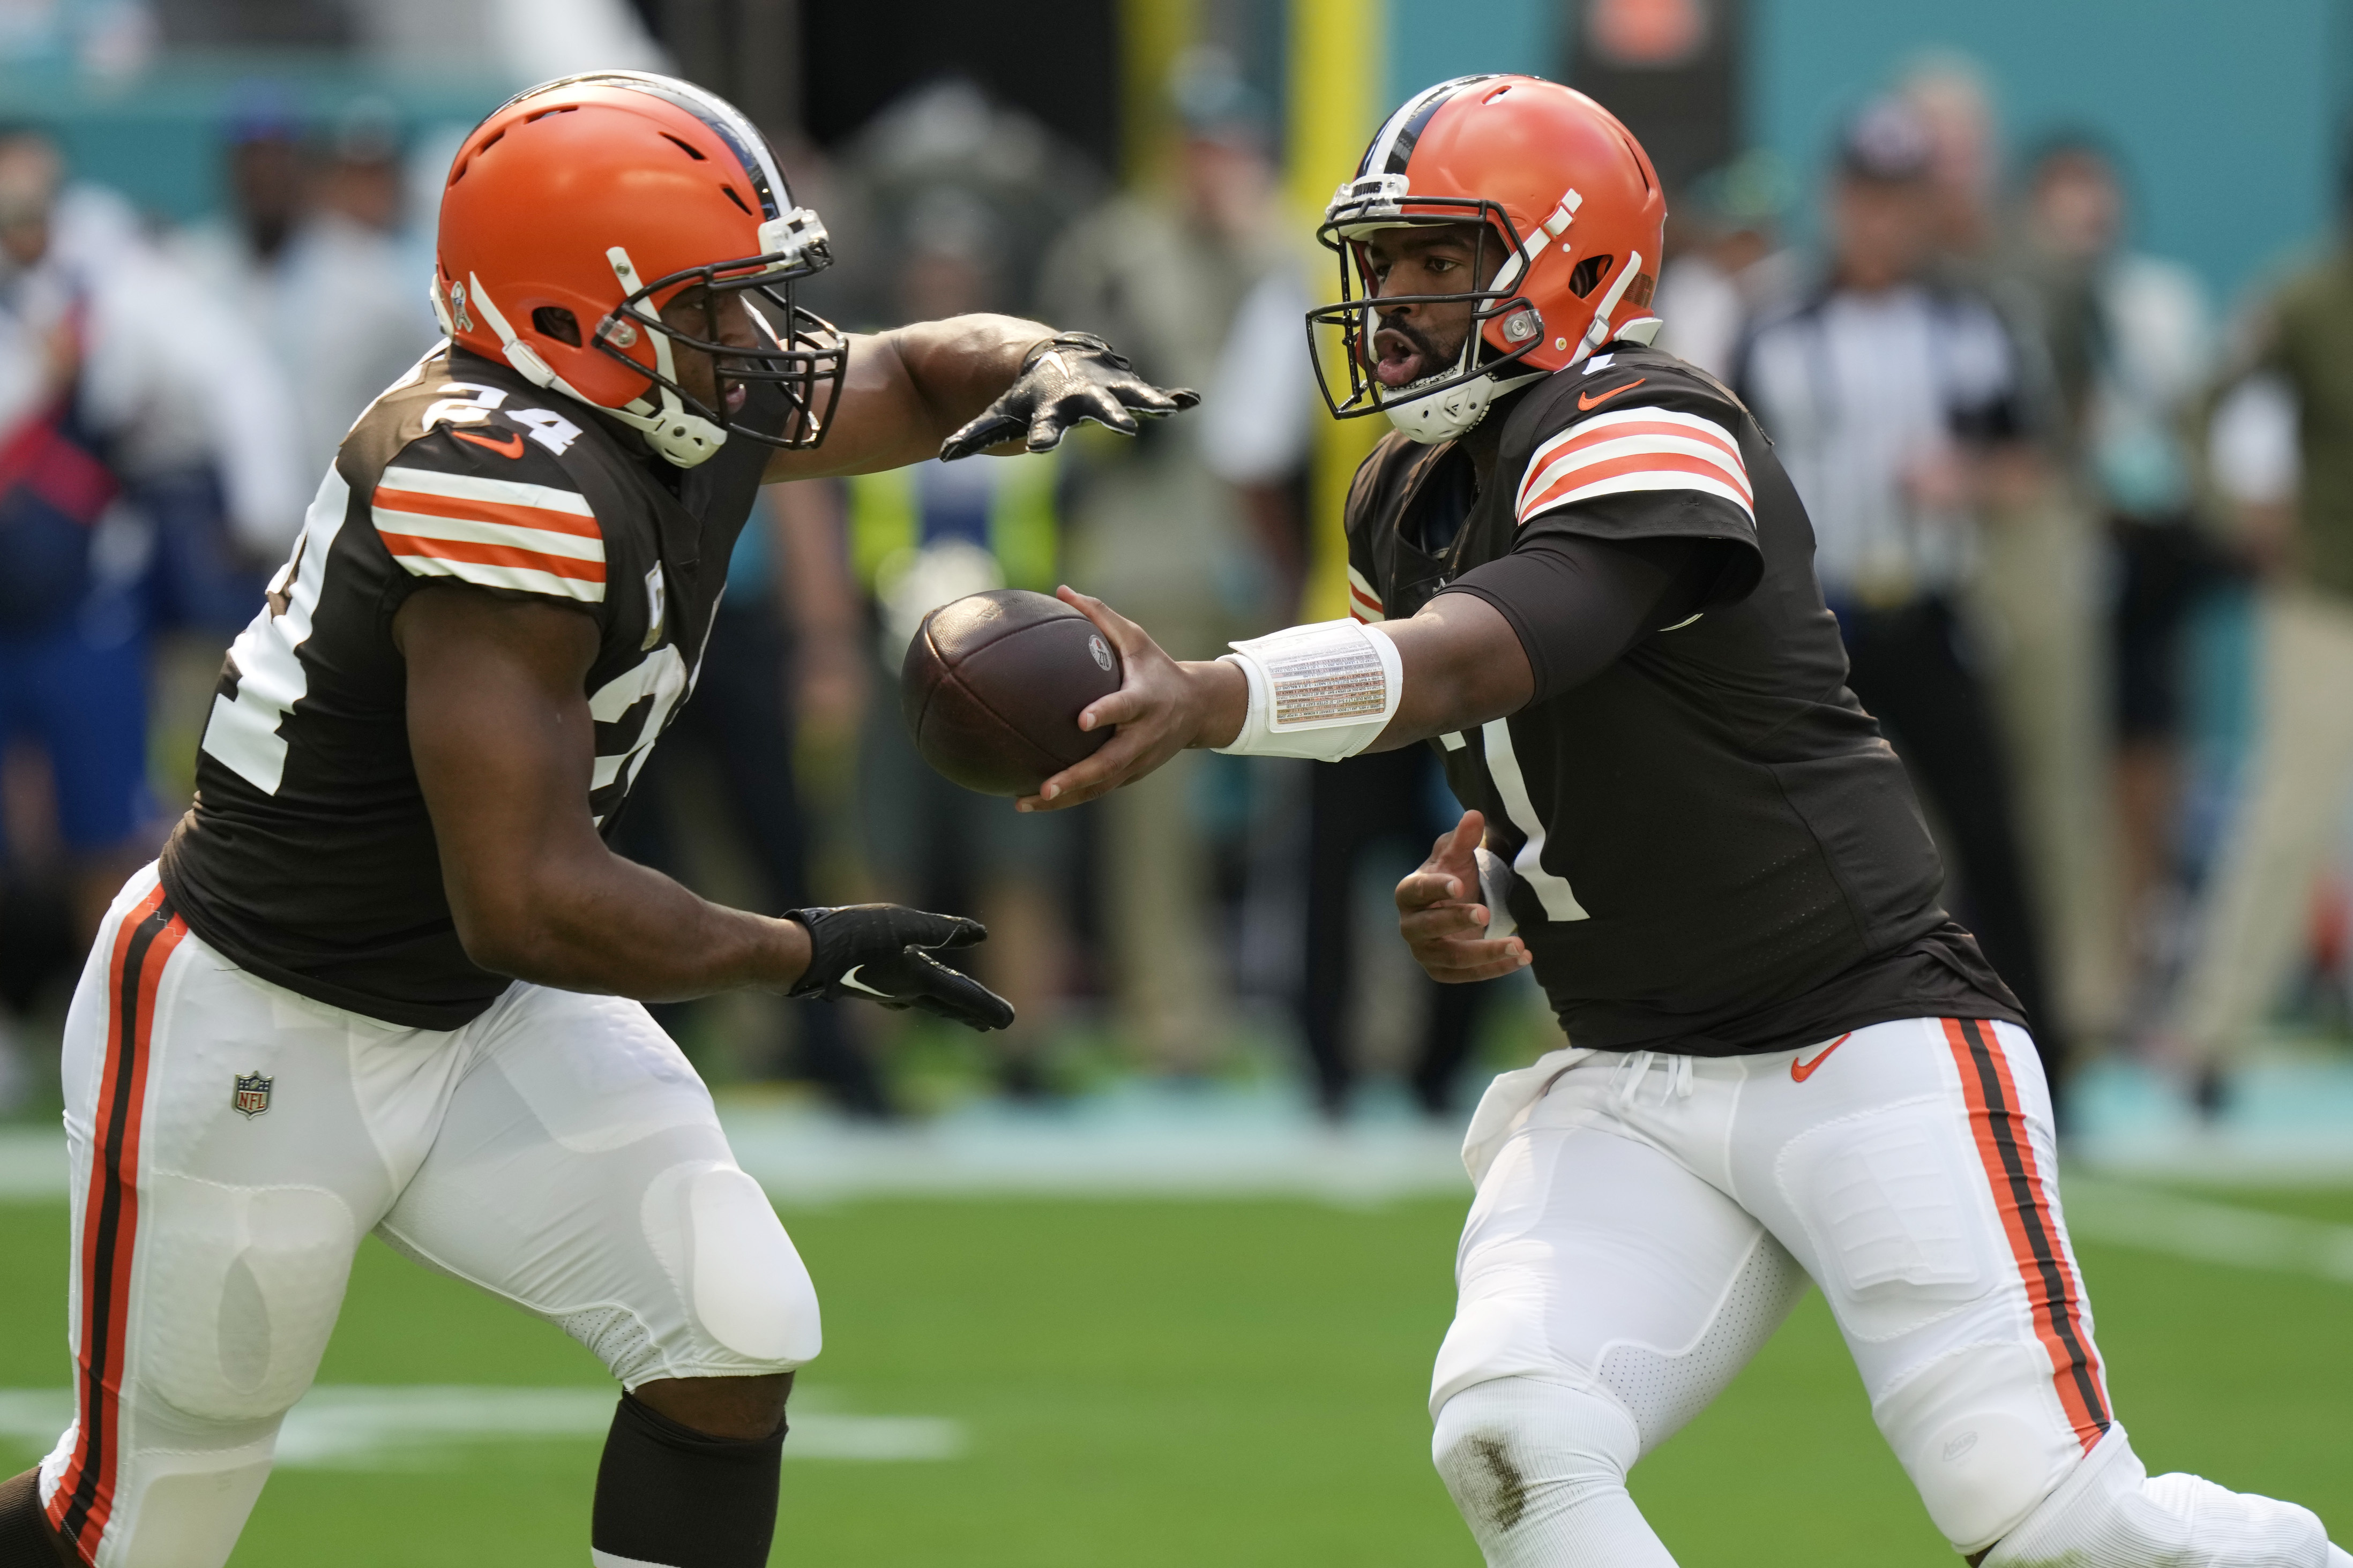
[[252, 1095]]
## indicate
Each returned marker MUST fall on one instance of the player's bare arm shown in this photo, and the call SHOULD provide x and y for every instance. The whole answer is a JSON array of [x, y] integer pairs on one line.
[[504, 740], [499, 723]]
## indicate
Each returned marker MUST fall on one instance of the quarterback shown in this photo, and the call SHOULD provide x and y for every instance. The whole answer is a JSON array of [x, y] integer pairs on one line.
[[386, 976], [1577, 568]]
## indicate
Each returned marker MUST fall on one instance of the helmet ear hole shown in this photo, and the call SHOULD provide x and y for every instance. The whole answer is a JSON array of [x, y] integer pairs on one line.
[[1587, 274], [555, 321]]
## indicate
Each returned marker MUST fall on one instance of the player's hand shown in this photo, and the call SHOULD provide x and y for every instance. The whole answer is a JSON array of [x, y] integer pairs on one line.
[[1068, 379], [879, 951], [1441, 919], [1162, 706]]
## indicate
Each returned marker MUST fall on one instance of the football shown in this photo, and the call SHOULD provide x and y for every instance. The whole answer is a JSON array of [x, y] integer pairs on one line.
[[993, 686]]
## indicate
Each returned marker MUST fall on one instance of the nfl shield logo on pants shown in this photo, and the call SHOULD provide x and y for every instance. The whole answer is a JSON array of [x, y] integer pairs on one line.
[[252, 1095]]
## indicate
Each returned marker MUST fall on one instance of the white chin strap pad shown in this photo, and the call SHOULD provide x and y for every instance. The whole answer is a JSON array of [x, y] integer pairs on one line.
[[1323, 691], [1445, 413]]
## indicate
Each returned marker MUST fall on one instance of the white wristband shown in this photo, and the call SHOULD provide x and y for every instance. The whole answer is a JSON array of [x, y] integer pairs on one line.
[[1323, 691]]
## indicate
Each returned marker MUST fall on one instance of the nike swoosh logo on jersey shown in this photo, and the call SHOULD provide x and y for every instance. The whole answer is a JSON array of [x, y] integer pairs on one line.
[[851, 981], [510, 447], [1800, 1072], [1586, 401]]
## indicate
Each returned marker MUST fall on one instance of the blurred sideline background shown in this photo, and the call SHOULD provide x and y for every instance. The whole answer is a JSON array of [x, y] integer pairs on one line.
[[266, 172], [2106, 566]]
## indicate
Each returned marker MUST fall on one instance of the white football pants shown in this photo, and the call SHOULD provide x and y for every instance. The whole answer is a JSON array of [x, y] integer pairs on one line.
[[1655, 1218], [231, 1142]]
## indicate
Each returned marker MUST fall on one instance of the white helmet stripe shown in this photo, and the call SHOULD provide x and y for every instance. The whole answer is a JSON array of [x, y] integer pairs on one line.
[[759, 161], [1385, 156]]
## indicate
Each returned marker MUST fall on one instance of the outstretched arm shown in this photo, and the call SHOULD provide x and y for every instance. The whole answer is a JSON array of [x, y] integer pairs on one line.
[[1540, 620], [1463, 665], [967, 385], [505, 750]]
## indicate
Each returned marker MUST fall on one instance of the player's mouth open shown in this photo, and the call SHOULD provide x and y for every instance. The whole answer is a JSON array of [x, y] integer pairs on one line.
[[1399, 359], [731, 395]]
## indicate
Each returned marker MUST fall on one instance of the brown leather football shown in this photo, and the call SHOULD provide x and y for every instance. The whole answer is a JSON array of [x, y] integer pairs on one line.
[[993, 686]]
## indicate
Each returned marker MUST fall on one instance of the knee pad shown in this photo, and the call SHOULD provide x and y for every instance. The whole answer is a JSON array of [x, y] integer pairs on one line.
[[254, 1279], [2110, 1511], [745, 1284], [1517, 1451]]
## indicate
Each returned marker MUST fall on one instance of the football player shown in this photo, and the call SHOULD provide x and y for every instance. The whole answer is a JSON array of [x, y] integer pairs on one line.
[[1577, 570], [387, 976]]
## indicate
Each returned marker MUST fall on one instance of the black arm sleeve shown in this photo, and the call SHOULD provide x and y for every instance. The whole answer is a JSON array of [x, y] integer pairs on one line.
[[1578, 602]]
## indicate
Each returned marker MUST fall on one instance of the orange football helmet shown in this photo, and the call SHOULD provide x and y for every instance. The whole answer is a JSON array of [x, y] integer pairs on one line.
[[579, 208], [1576, 214]]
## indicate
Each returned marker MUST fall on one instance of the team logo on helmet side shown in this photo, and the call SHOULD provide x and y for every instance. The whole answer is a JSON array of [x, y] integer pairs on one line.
[[250, 1096]]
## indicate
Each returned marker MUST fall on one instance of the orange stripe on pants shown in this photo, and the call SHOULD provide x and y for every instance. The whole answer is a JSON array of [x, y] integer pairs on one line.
[[84, 1498], [2054, 1294]]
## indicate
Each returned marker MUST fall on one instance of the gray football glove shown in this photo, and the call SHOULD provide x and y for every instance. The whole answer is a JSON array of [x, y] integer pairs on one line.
[[1064, 381], [877, 952]]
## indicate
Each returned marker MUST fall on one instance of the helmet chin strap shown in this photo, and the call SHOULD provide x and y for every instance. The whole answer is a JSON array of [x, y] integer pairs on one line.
[[676, 433], [682, 436], [1452, 411]]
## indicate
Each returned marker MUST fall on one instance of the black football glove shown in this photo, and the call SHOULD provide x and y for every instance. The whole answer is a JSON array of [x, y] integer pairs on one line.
[[877, 952], [1067, 379]]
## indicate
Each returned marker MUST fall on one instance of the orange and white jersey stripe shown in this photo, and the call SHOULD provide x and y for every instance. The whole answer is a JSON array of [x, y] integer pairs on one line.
[[1630, 450], [493, 533], [1364, 605]]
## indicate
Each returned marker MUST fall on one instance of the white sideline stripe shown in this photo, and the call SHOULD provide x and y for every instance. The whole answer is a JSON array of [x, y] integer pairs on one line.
[[2154, 1220], [522, 579], [466, 487], [608, 1560], [514, 536], [360, 1426]]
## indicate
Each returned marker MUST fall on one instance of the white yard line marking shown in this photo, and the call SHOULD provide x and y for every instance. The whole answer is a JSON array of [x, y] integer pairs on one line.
[[364, 1427], [2206, 1232]]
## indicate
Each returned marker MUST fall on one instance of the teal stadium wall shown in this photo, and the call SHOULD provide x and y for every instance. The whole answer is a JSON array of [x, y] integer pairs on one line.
[[2229, 114]]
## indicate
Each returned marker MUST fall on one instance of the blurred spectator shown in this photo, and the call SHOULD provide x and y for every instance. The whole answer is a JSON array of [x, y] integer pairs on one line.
[[120, 383], [314, 240], [1894, 404], [1165, 275], [946, 136], [139, 435], [2127, 342], [1725, 264], [2292, 797], [1948, 98]]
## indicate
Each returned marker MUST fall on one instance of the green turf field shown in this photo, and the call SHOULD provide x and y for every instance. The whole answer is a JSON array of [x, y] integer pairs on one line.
[[1236, 1383]]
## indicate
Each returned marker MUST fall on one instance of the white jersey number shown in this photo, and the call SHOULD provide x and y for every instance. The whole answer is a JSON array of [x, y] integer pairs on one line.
[[1552, 890], [242, 735]]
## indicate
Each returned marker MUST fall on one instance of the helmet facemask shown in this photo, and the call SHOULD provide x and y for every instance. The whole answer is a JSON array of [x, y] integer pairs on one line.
[[1447, 402], [804, 361]]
